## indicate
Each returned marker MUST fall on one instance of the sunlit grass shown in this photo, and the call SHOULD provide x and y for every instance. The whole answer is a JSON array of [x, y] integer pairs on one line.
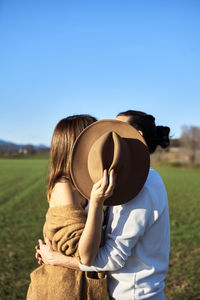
[[23, 206], [183, 186]]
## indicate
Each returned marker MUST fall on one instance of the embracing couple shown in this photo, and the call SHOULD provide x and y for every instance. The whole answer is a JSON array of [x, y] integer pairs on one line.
[[107, 226]]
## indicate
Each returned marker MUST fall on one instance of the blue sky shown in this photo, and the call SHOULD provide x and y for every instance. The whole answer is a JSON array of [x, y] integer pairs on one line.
[[59, 58]]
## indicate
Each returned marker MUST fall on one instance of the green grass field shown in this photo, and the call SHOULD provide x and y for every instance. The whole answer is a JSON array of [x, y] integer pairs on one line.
[[22, 209]]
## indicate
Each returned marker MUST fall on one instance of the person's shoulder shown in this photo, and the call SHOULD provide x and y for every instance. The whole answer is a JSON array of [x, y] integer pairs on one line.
[[155, 190], [62, 186], [62, 194], [152, 189], [153, 178]]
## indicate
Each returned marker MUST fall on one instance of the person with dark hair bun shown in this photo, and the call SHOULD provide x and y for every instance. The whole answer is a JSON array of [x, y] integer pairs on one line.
[[153, 135], [137, 242], [137, 238]]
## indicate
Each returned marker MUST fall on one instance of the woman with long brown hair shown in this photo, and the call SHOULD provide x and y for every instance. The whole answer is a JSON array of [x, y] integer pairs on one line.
[[68, 224], [137, 240]]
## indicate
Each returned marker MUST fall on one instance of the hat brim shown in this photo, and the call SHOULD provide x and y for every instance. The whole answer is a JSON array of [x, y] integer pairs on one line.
[[140, 160]]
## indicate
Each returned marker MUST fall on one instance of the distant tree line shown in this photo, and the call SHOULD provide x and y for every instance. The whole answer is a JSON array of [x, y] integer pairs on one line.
[[190, 141], [184, 150]]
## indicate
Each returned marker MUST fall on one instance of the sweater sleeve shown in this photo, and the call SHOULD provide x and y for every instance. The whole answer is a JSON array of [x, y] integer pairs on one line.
[[64, 226], [129, 222]]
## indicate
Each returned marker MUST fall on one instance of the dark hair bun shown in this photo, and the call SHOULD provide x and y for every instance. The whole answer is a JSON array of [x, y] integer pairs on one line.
[[163, 136]]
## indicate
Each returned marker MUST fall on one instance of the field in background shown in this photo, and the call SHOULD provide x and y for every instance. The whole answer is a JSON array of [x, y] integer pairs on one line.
[[183, 187], [22, 209]]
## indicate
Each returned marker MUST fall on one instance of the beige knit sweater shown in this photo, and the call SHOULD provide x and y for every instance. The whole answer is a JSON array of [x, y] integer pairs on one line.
[[64, 226]]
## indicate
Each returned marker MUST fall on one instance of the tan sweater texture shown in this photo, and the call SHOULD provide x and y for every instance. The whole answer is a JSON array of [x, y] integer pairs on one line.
[[64, 226]]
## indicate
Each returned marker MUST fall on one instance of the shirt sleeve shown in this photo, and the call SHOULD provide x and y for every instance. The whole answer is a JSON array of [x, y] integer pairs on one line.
[[128, 224]]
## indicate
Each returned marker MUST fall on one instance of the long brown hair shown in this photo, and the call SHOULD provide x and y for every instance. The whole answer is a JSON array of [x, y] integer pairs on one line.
[[64, 136]]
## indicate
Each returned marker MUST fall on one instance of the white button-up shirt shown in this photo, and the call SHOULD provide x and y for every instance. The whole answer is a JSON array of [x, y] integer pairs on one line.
[[137, 244]]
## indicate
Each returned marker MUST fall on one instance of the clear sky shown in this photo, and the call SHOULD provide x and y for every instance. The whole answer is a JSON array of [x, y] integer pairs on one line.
[[62, 57]]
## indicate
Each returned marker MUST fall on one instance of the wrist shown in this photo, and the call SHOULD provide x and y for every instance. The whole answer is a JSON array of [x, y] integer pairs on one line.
[[96, 203], [56, 259], [66, 262]]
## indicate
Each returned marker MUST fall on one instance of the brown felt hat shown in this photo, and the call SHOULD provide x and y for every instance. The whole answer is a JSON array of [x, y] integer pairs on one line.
[[110, 144]]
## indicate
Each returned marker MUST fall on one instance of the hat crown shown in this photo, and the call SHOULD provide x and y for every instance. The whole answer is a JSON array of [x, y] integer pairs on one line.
[[119, 146], [109, 151]]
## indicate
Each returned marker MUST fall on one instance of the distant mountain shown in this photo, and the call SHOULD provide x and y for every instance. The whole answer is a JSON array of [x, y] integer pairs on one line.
[[41, 146], [2, 142], [9, 146]]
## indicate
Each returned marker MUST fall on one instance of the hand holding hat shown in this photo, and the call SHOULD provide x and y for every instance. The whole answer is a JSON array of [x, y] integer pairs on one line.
[[104, 188], [110, 144]]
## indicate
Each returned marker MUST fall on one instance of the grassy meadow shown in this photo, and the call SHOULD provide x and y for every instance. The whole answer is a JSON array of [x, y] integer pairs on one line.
[[22, 209]]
